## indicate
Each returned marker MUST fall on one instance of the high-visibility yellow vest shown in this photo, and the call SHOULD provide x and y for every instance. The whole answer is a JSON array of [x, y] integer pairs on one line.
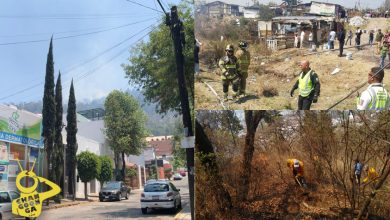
[[305, 84], [379, 99]]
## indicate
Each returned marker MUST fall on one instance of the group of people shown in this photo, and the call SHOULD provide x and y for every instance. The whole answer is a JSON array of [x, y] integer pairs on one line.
[[298, 172], [298, 40], [371, 174], [234, 70], [382, 42]]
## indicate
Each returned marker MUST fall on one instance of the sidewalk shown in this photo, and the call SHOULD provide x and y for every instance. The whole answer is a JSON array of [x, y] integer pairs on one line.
[[185, 213], [68, 202]]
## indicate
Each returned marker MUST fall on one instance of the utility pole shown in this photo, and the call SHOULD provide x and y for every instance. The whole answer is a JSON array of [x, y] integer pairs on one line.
[[155, 162], [176, 26]]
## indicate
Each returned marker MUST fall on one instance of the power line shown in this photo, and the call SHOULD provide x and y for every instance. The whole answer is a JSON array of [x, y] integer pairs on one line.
[[77, 35], [144, 6], [75, 17], [87, 73], [55, 33]]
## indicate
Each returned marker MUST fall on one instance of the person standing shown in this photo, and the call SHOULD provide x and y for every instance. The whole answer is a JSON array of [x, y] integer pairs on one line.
[[375, 97], [378, 40], [358, 168], [230, 72], [350, 34], [308, 85], [296, 40], [341, 38], [311, 39], [358, 37], [244, 60], [332, 36], [384, 51], [302, 37], [196, 56], [371, 38]]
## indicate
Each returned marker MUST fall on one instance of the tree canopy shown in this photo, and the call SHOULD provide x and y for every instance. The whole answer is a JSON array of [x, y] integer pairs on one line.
[[152, 64]]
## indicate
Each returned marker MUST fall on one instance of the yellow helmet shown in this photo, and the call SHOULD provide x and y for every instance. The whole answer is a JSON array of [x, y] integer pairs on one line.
[[229, 47]]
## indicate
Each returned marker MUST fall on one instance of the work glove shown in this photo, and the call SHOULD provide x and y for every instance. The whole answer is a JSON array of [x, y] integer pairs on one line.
[[292, 92], [315, 99]]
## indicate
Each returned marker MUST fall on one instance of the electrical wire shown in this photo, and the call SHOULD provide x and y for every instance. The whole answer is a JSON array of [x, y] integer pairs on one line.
[[76, 66], [72, 17], [77, 35], [144, 6]]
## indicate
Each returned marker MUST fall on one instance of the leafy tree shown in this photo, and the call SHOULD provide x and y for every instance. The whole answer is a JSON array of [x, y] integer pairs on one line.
[[131, 173], [168, 173], [265, 12], [48, 111], [152, 64], [105, 171], [71, 140], [87, 167], [124, 126]]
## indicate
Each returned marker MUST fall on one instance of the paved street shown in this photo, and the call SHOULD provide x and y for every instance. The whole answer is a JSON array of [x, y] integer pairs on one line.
[[124, 209]]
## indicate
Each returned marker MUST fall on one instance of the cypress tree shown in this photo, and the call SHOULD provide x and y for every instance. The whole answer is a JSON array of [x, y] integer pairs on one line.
[[58, 152], [48, 111], [71, 131]]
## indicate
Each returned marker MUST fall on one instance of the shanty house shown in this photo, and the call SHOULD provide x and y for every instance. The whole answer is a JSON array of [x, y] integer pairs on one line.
[[221, 9]]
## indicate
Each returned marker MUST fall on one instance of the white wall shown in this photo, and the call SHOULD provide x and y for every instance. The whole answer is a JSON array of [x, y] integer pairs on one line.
[[251, 13]]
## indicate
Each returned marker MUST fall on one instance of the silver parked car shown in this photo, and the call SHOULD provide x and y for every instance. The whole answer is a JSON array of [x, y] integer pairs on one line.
[[6, 198], [160, 194]]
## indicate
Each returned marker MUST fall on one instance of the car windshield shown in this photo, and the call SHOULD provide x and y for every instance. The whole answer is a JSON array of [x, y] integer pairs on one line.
[[156, 187], [112, 185]]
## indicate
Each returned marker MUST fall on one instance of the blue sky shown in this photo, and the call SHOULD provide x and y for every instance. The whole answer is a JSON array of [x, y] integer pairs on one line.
[[23, 65]]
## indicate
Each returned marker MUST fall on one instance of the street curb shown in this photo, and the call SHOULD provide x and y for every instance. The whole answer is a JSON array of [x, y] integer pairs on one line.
[[182, 214], [57, 206]]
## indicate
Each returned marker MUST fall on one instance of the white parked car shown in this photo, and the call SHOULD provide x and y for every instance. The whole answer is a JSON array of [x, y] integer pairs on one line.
[[160, 194], [6, 198]]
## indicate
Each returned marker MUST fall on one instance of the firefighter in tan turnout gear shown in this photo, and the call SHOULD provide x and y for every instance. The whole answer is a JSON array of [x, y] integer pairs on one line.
[[244, 60], [230, 72]]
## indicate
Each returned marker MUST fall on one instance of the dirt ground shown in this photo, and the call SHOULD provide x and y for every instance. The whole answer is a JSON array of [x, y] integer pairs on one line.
[[280, 71]]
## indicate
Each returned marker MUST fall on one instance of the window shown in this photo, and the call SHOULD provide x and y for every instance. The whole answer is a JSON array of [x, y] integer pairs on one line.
[[14, 195], [173, 187], [156, 187], [4, 197]]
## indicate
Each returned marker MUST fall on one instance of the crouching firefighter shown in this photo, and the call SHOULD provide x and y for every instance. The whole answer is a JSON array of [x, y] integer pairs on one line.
[[297, 169]]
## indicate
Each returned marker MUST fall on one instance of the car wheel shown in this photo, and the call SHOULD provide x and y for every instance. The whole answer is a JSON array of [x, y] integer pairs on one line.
[[127, 196], [174, 209], [144, 210], [119, 196], [101, 200], [180, 205]]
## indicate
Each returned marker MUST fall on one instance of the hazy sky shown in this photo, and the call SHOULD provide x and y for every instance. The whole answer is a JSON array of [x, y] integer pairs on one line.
[[345, 3], [103, 23]]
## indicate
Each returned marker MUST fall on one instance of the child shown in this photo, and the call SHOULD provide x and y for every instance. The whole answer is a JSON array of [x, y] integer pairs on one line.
[[384, 50]]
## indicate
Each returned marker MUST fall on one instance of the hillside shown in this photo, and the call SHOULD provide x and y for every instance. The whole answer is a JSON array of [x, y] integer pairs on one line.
[[157, 124]]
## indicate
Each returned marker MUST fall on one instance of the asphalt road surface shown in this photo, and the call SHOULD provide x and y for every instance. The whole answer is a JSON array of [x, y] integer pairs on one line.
[[124, 209]]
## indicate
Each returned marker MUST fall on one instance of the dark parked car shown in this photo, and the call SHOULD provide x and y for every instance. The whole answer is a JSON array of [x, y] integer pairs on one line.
[[114, 190]]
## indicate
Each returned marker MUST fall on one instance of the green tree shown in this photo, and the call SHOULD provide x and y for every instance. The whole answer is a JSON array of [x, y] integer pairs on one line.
[[179, 153], [124, 127], [48, 111], [71, 140], [87, 167], [152, 64], [58, 151], [131, 173], [105, 171], [265, 12]]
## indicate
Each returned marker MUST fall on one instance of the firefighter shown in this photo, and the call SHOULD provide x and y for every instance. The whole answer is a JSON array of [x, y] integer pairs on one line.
[[230, 72], [309, 86], [372, 175], [244, 60], [375, 97], [297, 169]]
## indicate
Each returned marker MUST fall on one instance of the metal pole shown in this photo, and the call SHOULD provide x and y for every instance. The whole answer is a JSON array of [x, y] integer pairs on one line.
[[155, 162]]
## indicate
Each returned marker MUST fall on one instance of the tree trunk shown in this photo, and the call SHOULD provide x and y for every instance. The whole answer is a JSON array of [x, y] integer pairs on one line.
[[378, 185], [123, 166], [204, 147], [252, 120], [74, 184], [85, 190]]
